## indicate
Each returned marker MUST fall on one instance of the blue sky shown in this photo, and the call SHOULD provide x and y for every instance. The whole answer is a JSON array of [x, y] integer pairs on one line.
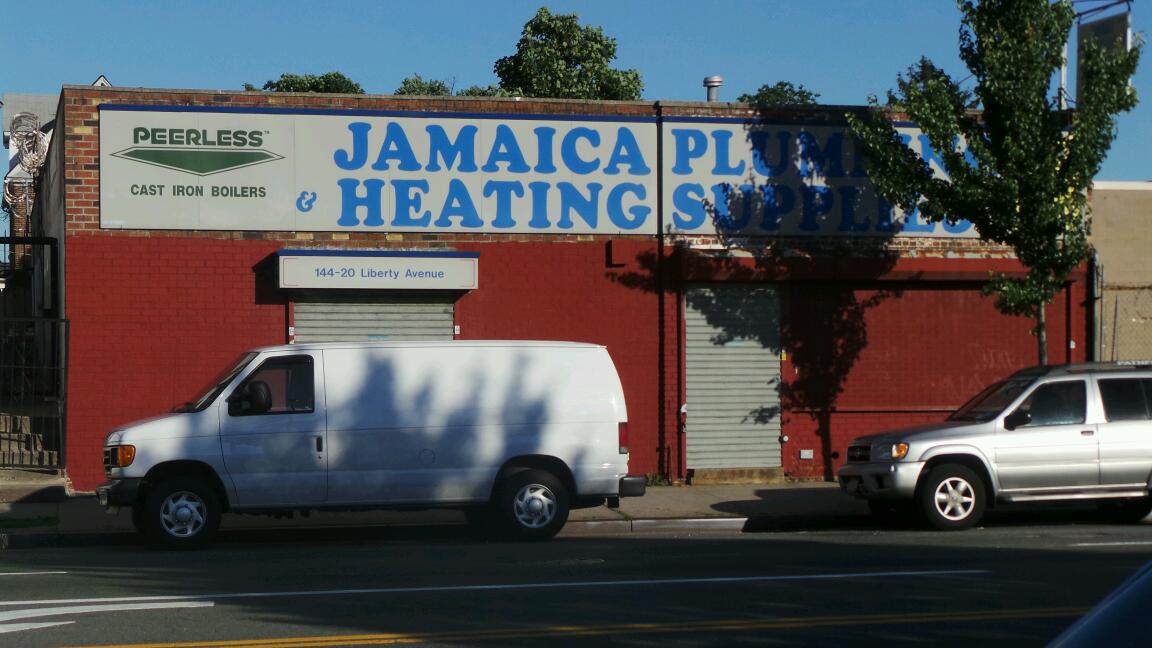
[[843, 49]]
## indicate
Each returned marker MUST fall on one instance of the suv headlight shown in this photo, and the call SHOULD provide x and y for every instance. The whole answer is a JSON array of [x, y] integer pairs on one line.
[[898, 450]]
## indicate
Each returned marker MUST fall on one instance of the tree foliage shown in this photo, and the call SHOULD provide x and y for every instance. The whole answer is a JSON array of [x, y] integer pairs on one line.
[[1022, 173], [418, 85], [782, 93], [332, 82], [557, 57]]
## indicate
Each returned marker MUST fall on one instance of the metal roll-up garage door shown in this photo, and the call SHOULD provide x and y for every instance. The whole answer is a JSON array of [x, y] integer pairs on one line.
[[347, 318], [733, 375]]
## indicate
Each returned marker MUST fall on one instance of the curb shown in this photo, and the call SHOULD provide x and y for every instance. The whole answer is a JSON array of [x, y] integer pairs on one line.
[[51, 539]]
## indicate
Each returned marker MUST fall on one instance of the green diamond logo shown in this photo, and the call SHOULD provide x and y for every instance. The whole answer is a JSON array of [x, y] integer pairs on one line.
[[198, 161]]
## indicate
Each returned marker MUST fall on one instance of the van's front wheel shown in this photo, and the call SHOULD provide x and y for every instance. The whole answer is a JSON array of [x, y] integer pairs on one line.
[[532, 505], [180, 513]]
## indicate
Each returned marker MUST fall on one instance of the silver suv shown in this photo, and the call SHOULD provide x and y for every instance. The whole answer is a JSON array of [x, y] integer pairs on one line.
[[1051, 433]]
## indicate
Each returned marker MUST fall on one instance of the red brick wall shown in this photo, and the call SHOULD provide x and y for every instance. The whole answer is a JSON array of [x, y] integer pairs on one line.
[[565, 292], [152, 321], [156, 314], [922, 349]]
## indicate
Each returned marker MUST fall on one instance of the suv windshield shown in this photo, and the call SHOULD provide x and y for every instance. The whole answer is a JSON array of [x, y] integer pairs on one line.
[[988, 404], [213, 389]]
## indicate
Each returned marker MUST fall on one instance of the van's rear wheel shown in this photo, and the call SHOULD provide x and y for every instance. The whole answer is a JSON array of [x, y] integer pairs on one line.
[[532, 505], [181, 513]]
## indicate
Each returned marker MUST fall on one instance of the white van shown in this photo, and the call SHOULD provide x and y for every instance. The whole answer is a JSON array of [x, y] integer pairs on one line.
[[514, 433]]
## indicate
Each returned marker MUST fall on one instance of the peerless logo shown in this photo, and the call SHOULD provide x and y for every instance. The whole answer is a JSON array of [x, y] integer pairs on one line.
[[198, 151]]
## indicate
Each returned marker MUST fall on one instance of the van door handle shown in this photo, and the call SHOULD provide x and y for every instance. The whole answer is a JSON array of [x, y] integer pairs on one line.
[[319, 444], [1087, 432]]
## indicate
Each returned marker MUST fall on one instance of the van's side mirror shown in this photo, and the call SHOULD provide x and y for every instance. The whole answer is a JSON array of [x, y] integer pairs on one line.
[[1017, 419]]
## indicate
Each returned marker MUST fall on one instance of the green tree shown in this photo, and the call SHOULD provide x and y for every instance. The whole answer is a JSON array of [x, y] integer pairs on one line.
[[484, 91], [556, 57], [782, 93], [418, 85], [1024, 175], [332, 82]]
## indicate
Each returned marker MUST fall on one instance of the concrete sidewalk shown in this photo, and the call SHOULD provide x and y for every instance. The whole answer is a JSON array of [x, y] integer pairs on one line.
[[77, 518]]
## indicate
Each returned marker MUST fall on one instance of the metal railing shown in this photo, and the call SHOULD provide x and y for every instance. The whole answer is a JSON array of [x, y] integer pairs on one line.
[[33, 379]]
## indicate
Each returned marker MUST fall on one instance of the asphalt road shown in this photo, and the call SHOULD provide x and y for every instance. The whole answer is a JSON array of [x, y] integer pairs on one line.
[[1011, 583]]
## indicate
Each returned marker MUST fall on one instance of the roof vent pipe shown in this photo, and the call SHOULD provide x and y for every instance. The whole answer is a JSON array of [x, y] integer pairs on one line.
[[713, 84]]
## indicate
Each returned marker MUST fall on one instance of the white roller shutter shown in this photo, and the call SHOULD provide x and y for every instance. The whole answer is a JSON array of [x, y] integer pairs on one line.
[[733, 374], [347, 318]]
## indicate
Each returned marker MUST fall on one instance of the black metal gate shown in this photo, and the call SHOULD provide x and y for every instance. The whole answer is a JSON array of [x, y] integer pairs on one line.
[[33, 379]]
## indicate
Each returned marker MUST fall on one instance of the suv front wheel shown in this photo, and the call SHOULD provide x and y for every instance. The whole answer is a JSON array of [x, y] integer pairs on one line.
[[951, 497]]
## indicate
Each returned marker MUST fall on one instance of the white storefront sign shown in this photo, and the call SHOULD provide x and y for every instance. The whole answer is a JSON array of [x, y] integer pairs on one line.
[[378, 270], [199, 168], [747, 178], [247, 169]]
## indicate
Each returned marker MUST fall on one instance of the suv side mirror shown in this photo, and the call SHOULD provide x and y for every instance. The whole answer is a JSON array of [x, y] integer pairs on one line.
[[1017, 419]]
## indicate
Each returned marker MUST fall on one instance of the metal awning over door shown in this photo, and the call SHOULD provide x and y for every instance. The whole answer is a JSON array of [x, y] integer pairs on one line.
[[362, 318], [733, 376]]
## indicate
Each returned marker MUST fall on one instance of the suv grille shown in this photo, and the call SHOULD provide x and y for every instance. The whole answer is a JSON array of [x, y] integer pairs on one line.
[[110, 458], [859, 453]]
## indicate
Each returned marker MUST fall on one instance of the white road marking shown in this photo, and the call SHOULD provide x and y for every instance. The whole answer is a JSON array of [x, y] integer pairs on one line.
[[512, 586], [85, 609], [1121, 543], [39, 573], [20, 627]]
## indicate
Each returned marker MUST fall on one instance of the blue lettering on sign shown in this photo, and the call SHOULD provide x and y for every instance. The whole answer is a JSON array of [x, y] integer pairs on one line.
[[816, 160], [506, 149], [571, 200], [848, 221], [459, 205], [688, 203], [689, 144], [408, 203], [817, 202], [638, 212], [778, 200], [539, 205], [544, 137], [762, 161], [356, 159], [503, 191], [627, 151], [396, 147], [351, 201], [729, 200], [463, 148], [724, 166], [912, 223], [795, 180], [570, 154]]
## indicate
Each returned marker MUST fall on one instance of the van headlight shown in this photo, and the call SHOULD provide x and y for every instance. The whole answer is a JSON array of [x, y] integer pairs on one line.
[[119, 456]]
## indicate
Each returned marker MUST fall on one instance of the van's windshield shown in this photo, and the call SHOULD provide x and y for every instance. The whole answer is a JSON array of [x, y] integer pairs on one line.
[[213, 389], [989, 403]]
